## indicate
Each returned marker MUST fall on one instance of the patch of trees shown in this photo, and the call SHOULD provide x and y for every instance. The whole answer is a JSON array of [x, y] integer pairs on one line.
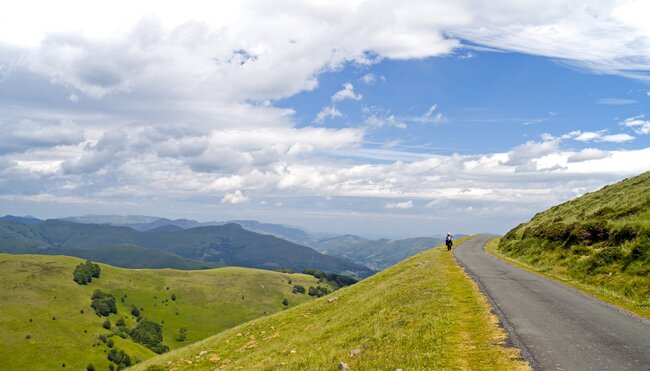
[[120, 358], [103, 303], [298, 289], [334, 279], [149, 334], [85, 272], [318, 291]]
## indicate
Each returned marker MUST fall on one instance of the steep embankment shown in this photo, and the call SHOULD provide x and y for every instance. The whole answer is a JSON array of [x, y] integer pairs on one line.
[[600, 240], [423, 313], [46, 319]]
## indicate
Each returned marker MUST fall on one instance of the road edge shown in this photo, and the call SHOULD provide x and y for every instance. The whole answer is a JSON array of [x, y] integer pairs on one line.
[[513, 339]]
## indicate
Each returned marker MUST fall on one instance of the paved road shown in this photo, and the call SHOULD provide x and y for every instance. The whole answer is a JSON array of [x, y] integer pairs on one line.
[[555, 326]]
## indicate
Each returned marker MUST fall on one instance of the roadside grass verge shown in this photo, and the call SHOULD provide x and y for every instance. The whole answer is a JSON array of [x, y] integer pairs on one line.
[[597, 291], [423, 313]]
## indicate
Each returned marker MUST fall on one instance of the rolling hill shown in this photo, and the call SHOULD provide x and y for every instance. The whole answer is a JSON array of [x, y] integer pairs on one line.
[[226, 245], [46, 320], [600, 240], [422, 313]]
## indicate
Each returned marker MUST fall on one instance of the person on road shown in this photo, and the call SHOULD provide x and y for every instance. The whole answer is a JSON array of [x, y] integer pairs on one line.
[[449, 241]]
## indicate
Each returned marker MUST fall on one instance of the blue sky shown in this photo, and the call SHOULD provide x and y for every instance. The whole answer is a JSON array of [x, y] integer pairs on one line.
[[378, 118]]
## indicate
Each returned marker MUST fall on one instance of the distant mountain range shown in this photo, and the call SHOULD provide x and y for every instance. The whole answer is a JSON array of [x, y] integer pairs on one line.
[[167, 246], [375, 254]]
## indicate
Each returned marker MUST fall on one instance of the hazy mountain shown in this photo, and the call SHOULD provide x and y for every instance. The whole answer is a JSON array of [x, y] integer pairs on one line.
[[376, 254], [229, 244]]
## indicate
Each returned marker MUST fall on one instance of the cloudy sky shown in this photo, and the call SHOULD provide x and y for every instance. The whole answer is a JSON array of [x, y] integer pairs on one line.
[[380, 118]]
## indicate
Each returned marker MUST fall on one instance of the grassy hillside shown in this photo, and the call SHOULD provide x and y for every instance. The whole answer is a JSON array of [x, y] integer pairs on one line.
[[42, 325], [229, 244], [600, 240], [423, 313], [376, 254]]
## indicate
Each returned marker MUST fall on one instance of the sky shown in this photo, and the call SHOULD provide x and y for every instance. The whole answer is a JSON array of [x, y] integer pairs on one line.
[[378, 118]]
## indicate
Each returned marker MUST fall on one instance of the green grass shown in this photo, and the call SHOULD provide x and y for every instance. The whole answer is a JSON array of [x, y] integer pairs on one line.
[[41, 287], [600, 242], [423, 313]]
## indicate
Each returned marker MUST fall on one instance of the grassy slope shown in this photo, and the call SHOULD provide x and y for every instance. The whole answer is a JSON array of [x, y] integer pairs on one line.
[[40, 287], [600, 242], [423, 313]]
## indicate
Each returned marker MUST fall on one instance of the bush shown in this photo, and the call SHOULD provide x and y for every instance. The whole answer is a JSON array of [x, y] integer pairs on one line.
[[173, 297], [90, 367], [318, 291], [110, 343], [135, 311], [103, 303], [84, 272], [107, 324], [149, 334], [182, 335], [285, 302], [298, 289], [120, 322], [120, 358]]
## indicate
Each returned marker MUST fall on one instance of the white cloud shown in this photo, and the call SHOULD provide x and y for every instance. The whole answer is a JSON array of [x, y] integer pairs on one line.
[[588, 154], [234, 198], [327, 112], [26, 134], [616, 101], [346, 93], [598, 136], [369, 78], [638, 124], [399, 205]]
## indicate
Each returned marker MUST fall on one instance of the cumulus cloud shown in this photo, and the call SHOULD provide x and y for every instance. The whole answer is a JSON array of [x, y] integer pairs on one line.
[[327, 112], [23, 135], [530, 151], [638, 124], [346, 93], [234, 198], [588, 154], [369, 78], [399, 205]]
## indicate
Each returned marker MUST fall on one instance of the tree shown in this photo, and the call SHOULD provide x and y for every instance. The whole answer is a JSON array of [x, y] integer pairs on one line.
[[103, 303], [134, 311], [173, 297], [107, 324], [298, 289], [285, 302], [84, 272], [90, 367], [149, 334]]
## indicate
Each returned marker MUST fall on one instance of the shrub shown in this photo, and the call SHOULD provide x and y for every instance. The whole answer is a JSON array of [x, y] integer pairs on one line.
[[135, 311], [85, 272], [149, 334], [318, 291], [110, 343], [285, 302], [103, 303], [107, 324], [182, 335], [298, 289], [173, 297], [90, 367], [120, 322], [120, 358]]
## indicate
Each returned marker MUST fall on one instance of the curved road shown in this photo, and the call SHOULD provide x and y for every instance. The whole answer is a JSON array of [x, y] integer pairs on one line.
[[556, 327]]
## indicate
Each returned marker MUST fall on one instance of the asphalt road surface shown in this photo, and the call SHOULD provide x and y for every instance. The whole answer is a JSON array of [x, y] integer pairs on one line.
[[555, 326]]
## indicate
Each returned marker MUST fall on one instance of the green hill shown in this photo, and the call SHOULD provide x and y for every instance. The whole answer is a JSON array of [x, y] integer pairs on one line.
[[228, 244], [423, 313], [376, 254], [600, 240], [46, 319]]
